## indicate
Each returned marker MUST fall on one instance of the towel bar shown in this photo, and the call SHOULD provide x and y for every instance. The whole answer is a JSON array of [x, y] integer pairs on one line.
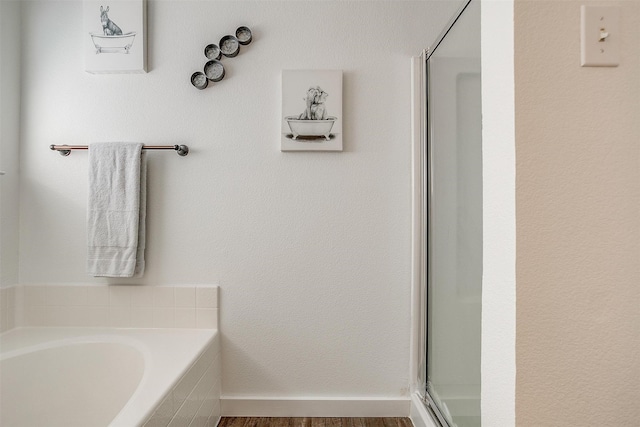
[[65, 150]]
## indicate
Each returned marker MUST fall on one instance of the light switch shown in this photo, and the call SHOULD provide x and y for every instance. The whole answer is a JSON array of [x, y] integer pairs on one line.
[[600, 36]]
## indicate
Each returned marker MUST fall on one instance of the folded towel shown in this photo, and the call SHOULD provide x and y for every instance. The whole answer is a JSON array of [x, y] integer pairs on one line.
[[142, 235], [116, 212]]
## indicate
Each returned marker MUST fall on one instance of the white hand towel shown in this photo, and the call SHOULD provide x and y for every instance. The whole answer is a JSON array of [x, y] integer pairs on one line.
[[116, 175]]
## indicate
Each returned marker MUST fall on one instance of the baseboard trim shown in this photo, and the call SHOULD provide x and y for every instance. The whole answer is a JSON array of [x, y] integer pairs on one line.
[[329, 407]]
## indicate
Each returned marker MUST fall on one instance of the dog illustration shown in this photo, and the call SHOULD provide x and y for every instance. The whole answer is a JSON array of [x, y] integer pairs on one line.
[[312, 93], [108, 26], [316, 109]]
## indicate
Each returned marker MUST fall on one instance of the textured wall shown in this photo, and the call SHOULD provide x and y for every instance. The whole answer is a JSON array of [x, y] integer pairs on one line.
[[311, 250], [578, 227]]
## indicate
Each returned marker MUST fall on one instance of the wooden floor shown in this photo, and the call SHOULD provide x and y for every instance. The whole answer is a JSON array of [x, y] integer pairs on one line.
[[313, 422]]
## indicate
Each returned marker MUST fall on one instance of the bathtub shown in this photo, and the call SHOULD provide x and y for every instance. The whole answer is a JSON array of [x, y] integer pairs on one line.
[[311, 129], [113, 44], [109, 377]]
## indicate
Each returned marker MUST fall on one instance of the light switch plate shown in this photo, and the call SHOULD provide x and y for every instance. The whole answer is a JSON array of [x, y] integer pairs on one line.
[[600, 36]]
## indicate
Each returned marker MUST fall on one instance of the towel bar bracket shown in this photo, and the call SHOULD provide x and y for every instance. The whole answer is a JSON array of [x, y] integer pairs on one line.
[[182, 150], [64, 153]]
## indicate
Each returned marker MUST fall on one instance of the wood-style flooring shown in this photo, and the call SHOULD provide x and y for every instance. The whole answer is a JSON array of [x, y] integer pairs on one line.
[[313, 422]]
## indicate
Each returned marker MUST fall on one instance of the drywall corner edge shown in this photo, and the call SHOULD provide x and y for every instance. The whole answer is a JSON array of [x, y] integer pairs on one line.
[[499, 243]]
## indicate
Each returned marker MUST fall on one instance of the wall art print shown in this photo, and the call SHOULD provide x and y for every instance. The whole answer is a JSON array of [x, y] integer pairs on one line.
[[311, 110], [114, 36]]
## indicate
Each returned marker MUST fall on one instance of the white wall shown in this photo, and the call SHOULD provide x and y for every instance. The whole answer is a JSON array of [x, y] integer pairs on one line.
[[311, 250], [9, 138]]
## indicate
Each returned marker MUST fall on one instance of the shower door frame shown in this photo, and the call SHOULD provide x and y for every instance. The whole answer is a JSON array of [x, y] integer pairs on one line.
[[426, 194], [426, 244]]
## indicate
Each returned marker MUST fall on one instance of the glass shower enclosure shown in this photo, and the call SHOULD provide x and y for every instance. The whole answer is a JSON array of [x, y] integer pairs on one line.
[[452, 203]]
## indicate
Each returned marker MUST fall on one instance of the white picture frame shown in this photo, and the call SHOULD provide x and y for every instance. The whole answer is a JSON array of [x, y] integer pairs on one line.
[[311, 110], [114, 36]]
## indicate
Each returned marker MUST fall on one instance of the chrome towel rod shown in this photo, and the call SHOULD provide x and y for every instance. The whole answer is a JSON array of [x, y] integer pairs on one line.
[[65, 150]]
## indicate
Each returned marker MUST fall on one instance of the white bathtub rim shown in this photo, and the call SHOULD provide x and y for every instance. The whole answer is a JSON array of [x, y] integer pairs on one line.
[[121, 420], [146, 398], [95, 339], [89, 339]]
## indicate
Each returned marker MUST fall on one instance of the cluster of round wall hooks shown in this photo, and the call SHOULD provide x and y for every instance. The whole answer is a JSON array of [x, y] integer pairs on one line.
[[229, 46]]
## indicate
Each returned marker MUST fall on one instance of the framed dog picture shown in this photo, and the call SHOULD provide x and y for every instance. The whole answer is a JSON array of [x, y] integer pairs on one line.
[[114, 36], [311, 110]]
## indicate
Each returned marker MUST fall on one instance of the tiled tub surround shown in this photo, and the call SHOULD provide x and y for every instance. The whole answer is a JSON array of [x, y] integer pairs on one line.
[[172, 328], [172, 376], [123, 306], [195, 399]]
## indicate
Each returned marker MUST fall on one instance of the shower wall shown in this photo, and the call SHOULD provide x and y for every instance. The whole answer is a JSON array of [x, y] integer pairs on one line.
[[9, 138], [455, 221], [311, 250]]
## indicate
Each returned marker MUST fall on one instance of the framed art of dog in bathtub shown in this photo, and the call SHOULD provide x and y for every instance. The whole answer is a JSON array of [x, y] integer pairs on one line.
[[114, 36], [311, 110]]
